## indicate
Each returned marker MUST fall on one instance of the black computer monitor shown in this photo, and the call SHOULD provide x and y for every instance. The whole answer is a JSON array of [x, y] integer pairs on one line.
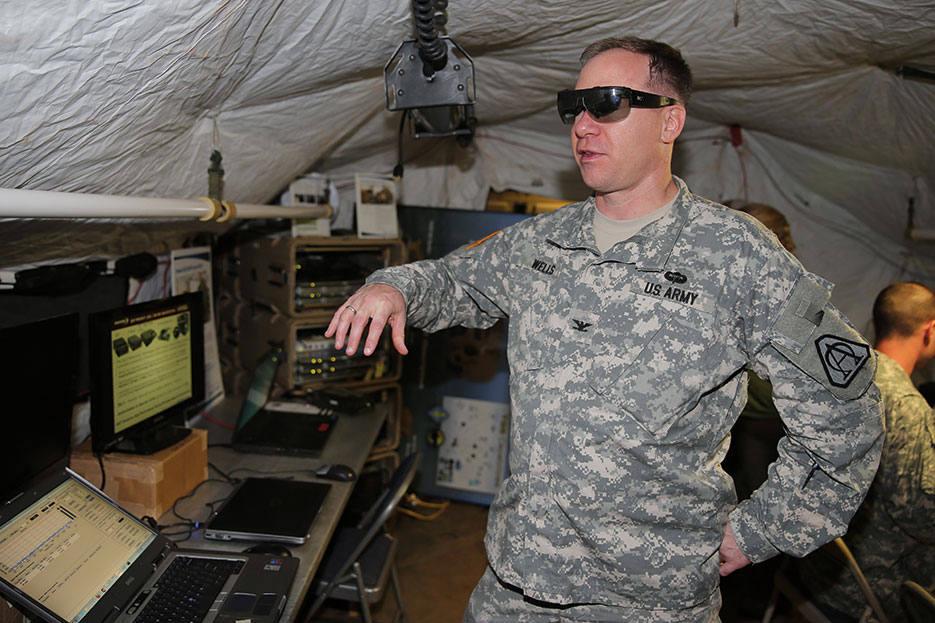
[[147, 371], [37, 387]]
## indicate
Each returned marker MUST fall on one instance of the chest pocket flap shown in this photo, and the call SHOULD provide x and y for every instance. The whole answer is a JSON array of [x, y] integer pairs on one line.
[[656, 359]]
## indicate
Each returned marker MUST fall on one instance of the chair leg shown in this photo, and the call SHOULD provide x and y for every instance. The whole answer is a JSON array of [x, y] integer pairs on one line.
[[771, 606], [400, 616], [316, 605], [362, 592]]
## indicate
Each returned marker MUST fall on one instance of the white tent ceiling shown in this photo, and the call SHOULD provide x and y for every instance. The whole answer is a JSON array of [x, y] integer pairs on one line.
[[130, 98]]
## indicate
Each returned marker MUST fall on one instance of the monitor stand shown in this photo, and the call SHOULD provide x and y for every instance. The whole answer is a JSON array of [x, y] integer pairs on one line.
[[151, 441]]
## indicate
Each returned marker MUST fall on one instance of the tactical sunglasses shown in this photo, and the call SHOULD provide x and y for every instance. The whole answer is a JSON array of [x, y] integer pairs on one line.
[[607, 103]]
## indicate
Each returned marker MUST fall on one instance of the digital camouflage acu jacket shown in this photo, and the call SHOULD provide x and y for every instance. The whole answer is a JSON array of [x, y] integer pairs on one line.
[[625, 379], [892, 536]]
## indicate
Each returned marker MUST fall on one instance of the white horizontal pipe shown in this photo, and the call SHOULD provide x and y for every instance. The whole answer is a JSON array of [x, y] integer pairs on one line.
[[253, 210], [919, 233], [17, 203]]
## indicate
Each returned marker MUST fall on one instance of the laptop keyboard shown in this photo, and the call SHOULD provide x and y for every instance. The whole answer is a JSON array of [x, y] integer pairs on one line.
[[188, 589]]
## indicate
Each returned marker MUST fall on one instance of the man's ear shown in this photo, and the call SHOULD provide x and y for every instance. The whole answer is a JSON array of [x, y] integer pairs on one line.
[[929, 333], [672, 123]]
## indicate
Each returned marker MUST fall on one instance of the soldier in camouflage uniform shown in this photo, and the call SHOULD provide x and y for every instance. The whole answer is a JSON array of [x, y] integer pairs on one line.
[[632, 318], [893, 534]]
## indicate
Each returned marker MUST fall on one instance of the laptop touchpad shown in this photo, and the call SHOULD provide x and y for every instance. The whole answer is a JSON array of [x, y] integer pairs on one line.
[[266, 604], [240, 602]]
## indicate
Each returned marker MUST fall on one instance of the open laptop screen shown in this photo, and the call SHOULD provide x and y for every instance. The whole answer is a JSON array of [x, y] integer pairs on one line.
[[68, 548]]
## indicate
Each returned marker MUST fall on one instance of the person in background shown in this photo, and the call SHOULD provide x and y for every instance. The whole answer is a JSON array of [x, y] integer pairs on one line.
[[892, 535], [633, 315], [755, 436], [753, 447]]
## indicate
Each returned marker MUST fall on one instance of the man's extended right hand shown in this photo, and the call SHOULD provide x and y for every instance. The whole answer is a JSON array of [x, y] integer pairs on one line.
[[377, 304]]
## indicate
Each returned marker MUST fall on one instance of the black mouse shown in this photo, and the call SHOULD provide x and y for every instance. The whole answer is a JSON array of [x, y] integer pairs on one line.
[[336, 471], [270, 549]]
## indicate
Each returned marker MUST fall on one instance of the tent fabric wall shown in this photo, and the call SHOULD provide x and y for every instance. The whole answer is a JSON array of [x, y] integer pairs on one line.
[[119, 97]]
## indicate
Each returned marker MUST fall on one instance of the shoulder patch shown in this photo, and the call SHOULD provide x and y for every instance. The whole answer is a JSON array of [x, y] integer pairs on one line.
[[839, 357], [802, 314]]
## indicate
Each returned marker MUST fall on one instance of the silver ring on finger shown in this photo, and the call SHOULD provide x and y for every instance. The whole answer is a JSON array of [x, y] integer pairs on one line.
[[351, 307]]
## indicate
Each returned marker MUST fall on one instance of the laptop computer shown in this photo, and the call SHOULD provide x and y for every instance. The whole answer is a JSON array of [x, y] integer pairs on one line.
[[266, 427], [70, 553], [268, 509]]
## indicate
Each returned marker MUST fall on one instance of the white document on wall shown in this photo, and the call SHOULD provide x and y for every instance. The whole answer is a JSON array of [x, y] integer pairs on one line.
[[190, 271], [310, 190], [474, 451], [376, 206]]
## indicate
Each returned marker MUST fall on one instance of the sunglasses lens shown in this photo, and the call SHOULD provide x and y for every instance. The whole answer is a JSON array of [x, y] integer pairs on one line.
[[604, 103], [569, 106], [607, 103]]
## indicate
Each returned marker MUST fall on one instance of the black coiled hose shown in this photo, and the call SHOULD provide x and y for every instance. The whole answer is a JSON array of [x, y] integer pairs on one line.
[[432, 50]]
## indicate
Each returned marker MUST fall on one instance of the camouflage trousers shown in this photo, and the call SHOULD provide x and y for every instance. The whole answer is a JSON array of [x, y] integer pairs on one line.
[[494, 601]]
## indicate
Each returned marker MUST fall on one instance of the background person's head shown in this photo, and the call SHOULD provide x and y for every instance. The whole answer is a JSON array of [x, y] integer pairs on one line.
[[904, 313], [901, 309], [772, 218]]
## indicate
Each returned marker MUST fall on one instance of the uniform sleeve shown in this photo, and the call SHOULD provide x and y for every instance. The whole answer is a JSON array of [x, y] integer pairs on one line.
[[468, 287], [907, 471], [821, 371]]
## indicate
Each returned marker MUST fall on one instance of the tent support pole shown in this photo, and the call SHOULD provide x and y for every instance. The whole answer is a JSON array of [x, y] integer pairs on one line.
[[17, 203]]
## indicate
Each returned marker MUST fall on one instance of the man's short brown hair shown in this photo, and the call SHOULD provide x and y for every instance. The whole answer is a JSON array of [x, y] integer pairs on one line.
[[773, 219], [666, 65], [901, 308]]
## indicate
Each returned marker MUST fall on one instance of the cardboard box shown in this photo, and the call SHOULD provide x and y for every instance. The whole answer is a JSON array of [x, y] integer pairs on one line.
[[147, 484]]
